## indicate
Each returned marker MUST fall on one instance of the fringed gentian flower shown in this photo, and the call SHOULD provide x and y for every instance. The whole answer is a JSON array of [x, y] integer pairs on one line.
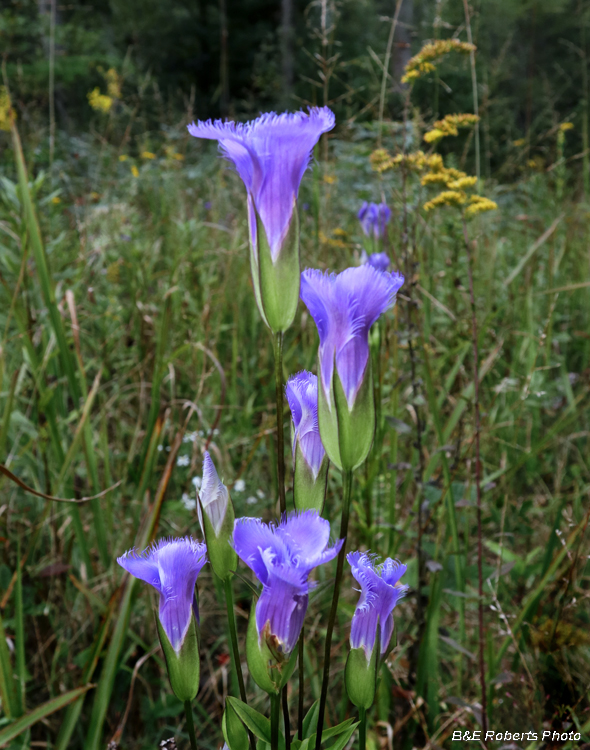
[[271, 155], [216, 516], [282, 557], [380, 592], [309, 457], [344, 307], [379, 261], [172, 566], [374, 219]]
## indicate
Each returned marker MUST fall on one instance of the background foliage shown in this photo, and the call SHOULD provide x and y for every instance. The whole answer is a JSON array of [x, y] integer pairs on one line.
[[146, 294]]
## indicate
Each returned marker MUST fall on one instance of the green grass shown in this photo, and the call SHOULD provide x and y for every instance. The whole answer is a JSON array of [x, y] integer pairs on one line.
[[167, 321]]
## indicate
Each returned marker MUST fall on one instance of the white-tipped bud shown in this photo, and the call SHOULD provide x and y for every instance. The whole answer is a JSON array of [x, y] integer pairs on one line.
[[214, 497]]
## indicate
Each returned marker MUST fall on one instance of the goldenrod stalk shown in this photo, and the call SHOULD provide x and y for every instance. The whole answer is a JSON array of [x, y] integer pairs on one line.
[[482, 669]]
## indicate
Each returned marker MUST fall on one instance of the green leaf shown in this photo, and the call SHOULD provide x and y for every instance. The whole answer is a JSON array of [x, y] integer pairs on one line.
[[310, 721], [258, 724]]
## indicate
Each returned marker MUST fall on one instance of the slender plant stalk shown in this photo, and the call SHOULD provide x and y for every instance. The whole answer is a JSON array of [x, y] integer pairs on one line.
[[190, 724], [301, 685], [278, 351], [482, 666], [286, 719], [233, 632], [334, 607], [52, 10], [474, 88], [393, 445], [386, 66], [362, 728], [275, 705]]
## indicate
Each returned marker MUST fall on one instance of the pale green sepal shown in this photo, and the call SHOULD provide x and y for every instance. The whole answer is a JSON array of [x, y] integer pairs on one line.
[[328, 422], [270, 669], [356, 427], [360, 676], [255, 271], [279, 280], [184, 667], [221, 554], [234, 731], [309, 493]]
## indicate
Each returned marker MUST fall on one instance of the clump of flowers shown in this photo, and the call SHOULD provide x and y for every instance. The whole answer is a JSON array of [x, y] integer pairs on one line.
[[456, 183], [7, 113], [425, 61], [449, 125], [104, 102]]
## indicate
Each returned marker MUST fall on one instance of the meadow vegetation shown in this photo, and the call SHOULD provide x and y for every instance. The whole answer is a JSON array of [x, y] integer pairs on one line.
[[131, 343]]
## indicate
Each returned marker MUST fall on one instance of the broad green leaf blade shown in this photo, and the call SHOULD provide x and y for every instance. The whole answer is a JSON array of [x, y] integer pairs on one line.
[[258, 724]]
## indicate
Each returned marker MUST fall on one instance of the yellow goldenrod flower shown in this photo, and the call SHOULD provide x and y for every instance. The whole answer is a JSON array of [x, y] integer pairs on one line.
[[479, 204], [566, 126], [519, 142], [99, 102], [434, 135], [446, 198], [134, 170], [435, 178], [423, 62], [147, 155], [340, 232], [329, 179], [7, 113], [56, 199], [462, 183], [123, 157], [449, 125]]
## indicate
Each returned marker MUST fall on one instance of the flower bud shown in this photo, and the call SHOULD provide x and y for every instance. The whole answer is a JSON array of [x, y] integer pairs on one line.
[[216, 516], [269, 667]]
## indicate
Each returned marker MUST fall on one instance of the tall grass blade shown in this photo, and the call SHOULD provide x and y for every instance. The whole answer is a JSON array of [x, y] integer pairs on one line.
[[41, 712]]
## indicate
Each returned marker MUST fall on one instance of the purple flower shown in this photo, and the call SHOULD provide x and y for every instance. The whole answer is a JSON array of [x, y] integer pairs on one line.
[[344, 306], [282, 558], [171, 566], [380, 261], [302, 395], [270, 154], [374, 218], [380, 592]]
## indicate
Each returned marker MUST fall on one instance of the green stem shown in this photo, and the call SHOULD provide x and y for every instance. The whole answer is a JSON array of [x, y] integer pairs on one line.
[[233, 633], [286, 720], [275, 705], [190, 724], [278, 352], [363, 728], [334, 608], [301, 685]]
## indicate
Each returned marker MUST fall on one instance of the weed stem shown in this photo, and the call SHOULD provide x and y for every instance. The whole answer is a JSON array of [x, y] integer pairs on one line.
[[334, 607], [233, 632], [278, 352], [482, 666], [190, 725]]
